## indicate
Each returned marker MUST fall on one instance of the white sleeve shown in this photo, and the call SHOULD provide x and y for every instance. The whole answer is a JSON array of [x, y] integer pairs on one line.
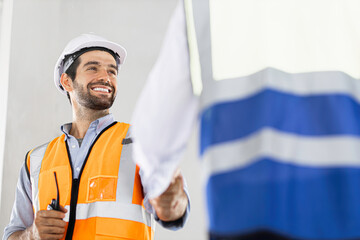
[[166, 110]]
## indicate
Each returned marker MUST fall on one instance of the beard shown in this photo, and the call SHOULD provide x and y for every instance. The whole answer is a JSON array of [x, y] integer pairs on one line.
[[86, 99]]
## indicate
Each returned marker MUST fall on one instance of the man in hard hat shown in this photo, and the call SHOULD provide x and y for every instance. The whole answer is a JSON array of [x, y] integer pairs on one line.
[[275, 87], [99, 186]]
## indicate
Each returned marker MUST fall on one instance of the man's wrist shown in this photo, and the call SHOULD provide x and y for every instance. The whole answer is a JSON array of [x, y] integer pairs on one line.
[[22, 234]]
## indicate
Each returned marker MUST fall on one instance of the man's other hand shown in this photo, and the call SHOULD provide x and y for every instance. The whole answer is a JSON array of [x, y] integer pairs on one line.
[[171, 205]]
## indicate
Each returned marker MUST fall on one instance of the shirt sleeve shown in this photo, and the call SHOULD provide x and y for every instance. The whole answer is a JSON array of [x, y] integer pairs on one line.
[[22, 215], [166, 110]]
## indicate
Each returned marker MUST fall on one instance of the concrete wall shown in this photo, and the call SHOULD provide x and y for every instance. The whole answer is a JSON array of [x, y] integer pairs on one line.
[[40, 30]]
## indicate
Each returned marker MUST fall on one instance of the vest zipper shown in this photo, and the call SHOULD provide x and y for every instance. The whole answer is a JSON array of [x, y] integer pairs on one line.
[[73, 203], [76, 184]]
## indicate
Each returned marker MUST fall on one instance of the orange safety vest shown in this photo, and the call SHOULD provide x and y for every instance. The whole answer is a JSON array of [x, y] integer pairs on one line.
[[106, 201]]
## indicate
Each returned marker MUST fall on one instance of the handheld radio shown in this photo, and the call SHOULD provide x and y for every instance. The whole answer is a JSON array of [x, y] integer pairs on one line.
[[55, 204]]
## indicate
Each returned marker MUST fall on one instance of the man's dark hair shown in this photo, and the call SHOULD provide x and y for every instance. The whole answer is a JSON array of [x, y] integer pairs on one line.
[[71, 71]]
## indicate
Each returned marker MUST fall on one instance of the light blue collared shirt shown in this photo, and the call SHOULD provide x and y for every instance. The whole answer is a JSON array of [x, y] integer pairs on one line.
[[78, 153], [22, 215]]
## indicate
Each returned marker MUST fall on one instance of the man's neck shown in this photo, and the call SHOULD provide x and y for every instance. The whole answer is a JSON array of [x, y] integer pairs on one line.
[[83, 119]]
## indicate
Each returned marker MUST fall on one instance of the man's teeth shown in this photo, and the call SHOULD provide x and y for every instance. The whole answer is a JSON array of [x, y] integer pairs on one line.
[[101, 90]]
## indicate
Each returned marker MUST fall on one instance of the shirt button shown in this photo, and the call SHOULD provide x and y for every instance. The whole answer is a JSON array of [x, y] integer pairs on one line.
[[73, 146], [78, 169]]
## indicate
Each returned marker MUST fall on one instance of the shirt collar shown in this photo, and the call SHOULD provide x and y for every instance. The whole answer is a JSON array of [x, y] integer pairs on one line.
[[99, 125]]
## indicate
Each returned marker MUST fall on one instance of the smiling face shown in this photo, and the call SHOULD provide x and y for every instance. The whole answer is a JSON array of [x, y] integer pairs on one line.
[[95, 85]]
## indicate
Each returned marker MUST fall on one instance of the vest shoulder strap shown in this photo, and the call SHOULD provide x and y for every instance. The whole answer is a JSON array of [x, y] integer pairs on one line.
[[35, 156], [27, 164]]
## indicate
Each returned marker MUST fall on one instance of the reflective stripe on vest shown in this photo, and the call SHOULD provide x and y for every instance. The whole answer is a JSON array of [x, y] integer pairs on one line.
[[36, 156], [109, 201], [280, 122]]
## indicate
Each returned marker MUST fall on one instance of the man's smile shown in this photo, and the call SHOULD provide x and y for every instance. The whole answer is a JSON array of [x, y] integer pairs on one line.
[[102, 89]]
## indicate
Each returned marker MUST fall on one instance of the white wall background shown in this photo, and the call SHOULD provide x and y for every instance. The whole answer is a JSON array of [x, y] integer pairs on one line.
[[35, 109], [5, 43]]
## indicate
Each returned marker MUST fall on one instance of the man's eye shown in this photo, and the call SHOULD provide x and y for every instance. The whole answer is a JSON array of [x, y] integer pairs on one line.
[[112, 72], [92, 68]]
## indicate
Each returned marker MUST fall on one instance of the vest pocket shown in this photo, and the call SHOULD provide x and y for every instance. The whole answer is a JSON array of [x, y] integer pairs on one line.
[[101, 188]]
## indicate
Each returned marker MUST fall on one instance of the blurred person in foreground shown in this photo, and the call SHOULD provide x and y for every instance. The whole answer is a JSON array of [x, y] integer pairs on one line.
[[275, 87], [101, 194]]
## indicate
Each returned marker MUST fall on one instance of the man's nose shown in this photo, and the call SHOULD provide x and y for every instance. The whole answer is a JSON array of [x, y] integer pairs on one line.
[[105, 76]]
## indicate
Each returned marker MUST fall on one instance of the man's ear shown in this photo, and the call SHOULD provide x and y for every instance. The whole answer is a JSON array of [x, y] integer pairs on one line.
[[66, 82]]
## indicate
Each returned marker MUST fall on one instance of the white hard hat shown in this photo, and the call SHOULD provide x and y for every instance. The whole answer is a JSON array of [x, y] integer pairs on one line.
[[82, 42]]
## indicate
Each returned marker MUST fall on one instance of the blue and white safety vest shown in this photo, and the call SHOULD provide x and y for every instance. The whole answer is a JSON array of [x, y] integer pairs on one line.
[[280, 114]]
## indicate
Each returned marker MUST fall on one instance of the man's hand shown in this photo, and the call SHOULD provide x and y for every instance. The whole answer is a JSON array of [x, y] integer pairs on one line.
[[171, 205], [48, 224]]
